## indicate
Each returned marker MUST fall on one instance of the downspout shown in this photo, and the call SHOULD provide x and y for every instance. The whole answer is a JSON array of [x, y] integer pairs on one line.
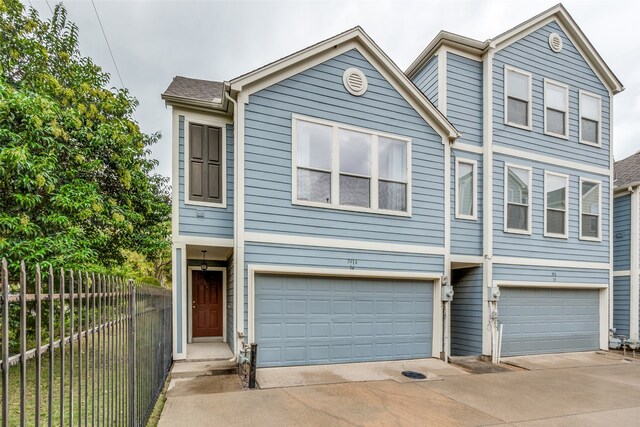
[[235, 226]]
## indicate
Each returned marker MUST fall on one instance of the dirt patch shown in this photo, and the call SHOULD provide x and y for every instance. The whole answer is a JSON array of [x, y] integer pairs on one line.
[[477, 366]]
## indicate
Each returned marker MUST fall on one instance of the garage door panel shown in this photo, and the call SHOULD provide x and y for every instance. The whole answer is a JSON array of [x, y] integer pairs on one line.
[[342, 320], [538, 321]]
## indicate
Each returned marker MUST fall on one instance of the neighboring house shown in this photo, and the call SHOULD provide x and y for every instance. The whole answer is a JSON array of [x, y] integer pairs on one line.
[[626, 249], [335, 195]]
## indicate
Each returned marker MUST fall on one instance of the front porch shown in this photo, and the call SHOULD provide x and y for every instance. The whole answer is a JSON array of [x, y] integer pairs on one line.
[[203, 351]]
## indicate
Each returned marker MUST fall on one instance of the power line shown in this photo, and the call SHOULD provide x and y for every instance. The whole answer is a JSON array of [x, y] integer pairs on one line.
[[48, 5], [108, 45]]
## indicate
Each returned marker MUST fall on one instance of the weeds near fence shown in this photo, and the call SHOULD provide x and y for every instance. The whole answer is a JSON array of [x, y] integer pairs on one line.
[[81, 349]]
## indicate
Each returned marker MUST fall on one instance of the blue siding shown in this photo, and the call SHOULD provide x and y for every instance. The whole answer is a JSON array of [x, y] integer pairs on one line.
[[622, 232], [621, 305], [549, 274], [302, 256], [466, 235], [318, 320], [178, 301], [466, 312], [464, 97], [536, 245], [427, 80], [532, 54], [319, 92], [217, 222], [231, 335]]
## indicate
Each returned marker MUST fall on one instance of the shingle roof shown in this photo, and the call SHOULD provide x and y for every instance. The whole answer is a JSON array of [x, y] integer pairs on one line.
[[201, 90], [627, 171]]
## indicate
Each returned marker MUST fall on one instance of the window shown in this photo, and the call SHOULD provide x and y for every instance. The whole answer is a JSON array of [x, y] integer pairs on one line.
[[466, 189], [555, 193], [205, 167], [518, 199], [590, 210], [556, 108], [589, 118], [518, 98], [344, 167]]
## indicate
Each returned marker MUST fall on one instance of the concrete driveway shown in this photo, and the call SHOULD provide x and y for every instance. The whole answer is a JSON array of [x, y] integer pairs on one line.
[[599, 390]]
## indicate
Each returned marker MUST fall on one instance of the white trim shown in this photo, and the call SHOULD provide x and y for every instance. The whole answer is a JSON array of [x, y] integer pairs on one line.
[[621, 273], [605, 296], [522, 154], [174, 298], [213, 121], [204, 241], [487, 194], [566, 205], [582, 93], [547, 82], [253, 269], [507, 69], [468, 147], [599, 183], [466, 259], [335, 168], [634, 279], [189, 317], [290, 239], [175, 173], [550, 285], [442, 80], [448, 48], [355, 38], [474, 190], [543, 262], [507, 166]]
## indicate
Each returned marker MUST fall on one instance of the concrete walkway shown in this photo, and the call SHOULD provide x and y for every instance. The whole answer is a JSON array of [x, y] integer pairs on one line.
[[601, 391]]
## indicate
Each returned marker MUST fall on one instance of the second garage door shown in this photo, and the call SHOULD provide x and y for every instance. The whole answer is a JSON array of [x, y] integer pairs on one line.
[[306, 320], [538, 321]]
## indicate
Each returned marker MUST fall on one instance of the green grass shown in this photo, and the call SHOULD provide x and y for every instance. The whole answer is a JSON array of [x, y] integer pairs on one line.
[[154, 417]]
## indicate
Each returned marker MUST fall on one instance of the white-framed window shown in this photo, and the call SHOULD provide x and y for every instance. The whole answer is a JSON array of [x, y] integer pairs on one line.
[[205, 160], [517, 98], [590, 118], [590, 209], [556, 209], [350, 168], [517, 196], [556, 109], [466, 189]]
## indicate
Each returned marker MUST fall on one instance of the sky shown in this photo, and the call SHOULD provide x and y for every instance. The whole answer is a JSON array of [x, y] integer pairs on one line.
[[154, 40]]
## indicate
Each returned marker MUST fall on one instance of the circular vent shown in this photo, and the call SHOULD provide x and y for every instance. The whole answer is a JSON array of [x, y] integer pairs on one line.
[[555, 42], [355, 81]]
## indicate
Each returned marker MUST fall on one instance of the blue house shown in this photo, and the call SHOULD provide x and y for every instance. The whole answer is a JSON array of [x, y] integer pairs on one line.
[[626, 249], [326, 204]]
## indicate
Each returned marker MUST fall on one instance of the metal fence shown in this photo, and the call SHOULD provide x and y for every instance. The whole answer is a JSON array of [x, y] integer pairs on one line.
[[81, 348]]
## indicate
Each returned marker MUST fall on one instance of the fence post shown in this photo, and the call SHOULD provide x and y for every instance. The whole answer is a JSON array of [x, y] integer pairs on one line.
[[132, 354]]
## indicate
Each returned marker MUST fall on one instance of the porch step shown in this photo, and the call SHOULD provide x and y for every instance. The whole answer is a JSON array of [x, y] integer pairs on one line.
[[192, 369]]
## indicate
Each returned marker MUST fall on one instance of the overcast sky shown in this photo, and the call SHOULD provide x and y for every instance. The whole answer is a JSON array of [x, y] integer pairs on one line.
[[152, 41]]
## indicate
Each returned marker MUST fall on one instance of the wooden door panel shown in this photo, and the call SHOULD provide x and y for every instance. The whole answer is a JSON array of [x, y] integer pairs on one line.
[[207, 304]]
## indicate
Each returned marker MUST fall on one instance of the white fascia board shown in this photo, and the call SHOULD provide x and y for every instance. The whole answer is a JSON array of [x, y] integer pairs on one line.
[[621, 273], [543, 262], [355, 38], [549, 285], [289, 239]]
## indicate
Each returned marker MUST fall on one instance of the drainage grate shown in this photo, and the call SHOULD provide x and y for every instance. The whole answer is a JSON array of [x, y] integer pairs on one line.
[[414, 375]]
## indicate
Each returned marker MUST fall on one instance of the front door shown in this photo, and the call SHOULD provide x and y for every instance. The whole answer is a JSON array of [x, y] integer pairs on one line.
[[207, 304]]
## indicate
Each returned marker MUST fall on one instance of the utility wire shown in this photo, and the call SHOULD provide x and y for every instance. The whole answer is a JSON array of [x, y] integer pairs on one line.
[[108, 46], [48, 5]]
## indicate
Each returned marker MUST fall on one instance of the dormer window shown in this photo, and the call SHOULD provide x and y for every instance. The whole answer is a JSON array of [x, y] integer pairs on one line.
[[517, 98]]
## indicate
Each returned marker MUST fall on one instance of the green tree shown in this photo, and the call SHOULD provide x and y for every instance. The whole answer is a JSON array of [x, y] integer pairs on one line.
[[76, 182]]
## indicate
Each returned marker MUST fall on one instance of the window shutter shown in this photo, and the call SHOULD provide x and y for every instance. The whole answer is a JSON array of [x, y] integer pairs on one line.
[[205, 163]]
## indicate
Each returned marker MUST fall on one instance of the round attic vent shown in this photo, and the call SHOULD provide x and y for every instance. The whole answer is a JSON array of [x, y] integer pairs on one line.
[[355, 81], [555, 42]]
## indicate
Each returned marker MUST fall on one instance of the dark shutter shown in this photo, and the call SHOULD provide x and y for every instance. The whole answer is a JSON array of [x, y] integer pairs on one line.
[[205, 163]]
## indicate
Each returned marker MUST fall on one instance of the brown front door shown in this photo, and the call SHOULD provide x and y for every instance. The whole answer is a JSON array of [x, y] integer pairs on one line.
[[207, 304]]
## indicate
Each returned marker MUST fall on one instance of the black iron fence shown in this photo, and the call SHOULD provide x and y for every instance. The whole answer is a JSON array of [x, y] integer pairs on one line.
[[81, 348]]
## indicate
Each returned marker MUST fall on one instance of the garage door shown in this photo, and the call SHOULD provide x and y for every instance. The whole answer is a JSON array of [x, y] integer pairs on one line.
[[540, 321], [320, 320]]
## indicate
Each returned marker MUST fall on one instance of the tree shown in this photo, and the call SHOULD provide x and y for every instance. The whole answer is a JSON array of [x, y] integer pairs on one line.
[[76, 182]]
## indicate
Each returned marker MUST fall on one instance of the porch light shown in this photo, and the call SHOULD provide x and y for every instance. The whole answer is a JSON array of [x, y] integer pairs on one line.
[[204, 265]]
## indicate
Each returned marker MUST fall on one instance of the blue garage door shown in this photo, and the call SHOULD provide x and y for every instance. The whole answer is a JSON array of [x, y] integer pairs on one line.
[[538, 321], [320, 320]]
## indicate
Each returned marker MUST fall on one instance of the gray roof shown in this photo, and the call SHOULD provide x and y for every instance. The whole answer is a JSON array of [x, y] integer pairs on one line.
[[196, 89], [627, 171]]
